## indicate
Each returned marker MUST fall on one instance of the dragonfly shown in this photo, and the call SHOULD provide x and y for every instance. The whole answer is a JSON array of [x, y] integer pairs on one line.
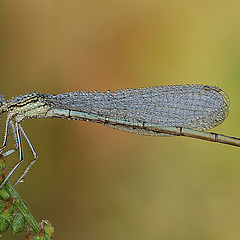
[[174, 110]]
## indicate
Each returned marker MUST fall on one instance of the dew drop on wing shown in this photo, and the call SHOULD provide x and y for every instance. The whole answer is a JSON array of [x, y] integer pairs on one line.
[[196, 107]]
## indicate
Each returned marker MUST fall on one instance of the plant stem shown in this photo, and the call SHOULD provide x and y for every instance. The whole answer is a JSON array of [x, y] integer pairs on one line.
[[22, 207]]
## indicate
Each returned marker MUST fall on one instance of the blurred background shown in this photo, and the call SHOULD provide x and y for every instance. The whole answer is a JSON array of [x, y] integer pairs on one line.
[[93, 182]]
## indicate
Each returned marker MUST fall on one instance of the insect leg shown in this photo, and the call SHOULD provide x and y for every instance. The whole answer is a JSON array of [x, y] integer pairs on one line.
[[33, 152], [19, 144]]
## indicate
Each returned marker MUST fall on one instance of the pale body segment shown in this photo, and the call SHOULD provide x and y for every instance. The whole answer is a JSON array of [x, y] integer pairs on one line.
[[178, 110]]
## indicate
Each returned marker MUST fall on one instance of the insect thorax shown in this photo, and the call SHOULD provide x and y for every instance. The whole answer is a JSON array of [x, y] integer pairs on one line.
[[28, 106]]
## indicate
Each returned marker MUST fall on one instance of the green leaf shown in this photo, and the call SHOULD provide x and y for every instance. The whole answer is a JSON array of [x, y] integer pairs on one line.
[[18, 223]]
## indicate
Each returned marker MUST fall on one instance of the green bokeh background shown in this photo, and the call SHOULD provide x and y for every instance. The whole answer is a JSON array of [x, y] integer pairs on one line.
[[93, 182]]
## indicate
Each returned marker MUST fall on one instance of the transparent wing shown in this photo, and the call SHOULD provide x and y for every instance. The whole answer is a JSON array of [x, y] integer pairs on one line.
[[195, 107]]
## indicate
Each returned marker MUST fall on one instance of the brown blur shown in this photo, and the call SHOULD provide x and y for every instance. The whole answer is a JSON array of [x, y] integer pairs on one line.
[[96, 183]]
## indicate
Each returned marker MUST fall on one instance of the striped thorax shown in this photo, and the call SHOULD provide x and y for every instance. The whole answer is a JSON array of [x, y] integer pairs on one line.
[[27, 106]]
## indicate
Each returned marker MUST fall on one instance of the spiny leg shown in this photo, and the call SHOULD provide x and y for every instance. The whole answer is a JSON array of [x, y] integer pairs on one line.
[[14, 134], [17, 137], [19, 144], [9, 152], [6, 133], [34, 155]]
